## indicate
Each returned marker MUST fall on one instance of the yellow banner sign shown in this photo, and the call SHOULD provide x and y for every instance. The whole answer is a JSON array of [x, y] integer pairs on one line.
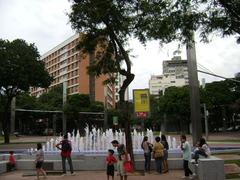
[[141, 100]]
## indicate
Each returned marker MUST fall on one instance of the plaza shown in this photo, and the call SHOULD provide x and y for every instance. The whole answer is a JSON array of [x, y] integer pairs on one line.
[[124, 86], [96, 175]]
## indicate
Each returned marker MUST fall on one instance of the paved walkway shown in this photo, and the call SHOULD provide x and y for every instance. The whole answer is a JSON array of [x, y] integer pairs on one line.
[[95, 175]]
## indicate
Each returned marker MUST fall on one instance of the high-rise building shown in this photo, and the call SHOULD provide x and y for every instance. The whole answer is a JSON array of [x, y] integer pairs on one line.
[[119, 82], [175, 73], [66, 64]]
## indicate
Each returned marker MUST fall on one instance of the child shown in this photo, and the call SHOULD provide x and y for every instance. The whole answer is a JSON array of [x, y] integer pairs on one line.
[[39, 161], [11, 165], [110, 160]]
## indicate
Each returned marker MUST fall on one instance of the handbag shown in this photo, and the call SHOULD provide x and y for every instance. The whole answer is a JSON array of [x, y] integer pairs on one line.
[[127, 166]]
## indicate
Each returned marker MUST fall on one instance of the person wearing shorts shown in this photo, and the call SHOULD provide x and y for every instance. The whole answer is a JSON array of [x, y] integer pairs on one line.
[[39, 161], [110, 160]]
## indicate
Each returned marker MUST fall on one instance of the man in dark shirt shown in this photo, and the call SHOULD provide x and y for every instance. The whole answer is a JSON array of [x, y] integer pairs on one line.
[[66, 154]]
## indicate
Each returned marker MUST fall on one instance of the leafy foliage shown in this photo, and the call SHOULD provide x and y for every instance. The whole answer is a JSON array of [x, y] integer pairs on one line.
[[52, 100], [77, 102], [221, 98], [20, 68], [169, 20], [25, 101]]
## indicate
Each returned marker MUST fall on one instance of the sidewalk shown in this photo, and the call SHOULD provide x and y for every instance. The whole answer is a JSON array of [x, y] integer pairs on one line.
[[96, 175]]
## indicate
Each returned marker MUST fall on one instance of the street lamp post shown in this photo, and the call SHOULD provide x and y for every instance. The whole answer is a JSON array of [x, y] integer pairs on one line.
[[64, 119], [194, 91]]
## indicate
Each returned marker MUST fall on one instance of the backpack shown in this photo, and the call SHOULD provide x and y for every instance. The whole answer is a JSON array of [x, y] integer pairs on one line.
[[66, 146]]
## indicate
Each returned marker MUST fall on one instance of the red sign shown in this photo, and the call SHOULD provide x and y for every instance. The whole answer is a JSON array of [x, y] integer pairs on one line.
[[141, 114]]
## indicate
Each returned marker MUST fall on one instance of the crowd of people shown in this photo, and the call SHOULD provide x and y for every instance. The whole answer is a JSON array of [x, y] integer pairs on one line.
[[158, 151]]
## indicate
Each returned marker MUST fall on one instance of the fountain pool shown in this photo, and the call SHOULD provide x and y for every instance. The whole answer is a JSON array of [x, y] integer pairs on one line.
[[98, 141]]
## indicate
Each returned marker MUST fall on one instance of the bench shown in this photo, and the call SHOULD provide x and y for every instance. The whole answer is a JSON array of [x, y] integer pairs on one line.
[[211, 168]]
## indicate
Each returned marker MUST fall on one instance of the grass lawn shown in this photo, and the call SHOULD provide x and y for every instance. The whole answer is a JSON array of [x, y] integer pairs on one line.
[[11, 138], [226, 140], [232, 176]]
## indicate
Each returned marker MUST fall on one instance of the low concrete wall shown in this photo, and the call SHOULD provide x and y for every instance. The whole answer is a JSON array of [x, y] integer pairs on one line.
[[91, 164], [3, 166], [211, 168], [86, 162], [208, 168]]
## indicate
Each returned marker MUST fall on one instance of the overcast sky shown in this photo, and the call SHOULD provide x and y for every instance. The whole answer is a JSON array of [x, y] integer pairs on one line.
[[44, 22]]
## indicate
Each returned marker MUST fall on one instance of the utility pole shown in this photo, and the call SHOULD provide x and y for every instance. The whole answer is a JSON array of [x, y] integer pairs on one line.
[[105, 124], [13, 107], [205, 112], [64, 119], [194, 91]]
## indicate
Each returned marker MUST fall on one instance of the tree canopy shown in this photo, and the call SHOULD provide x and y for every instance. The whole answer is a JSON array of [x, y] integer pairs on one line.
[[221, 98], [20, 68], [169, 20]]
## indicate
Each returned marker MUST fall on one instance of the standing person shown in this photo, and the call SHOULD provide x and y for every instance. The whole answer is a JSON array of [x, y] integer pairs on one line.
[[11, 165], [122, 157], [110, 160], [186, 148], [39, 161], [165, 152], [202, 149], [158, 154], [147, 148], [66, 149]]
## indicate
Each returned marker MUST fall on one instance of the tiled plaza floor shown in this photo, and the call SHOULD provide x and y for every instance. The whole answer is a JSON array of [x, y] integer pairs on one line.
[[95, 175]]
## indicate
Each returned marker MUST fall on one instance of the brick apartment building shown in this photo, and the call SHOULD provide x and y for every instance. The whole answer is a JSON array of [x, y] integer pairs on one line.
[[65, 64]]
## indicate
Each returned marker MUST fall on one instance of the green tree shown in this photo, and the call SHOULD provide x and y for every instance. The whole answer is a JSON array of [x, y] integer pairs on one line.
[[169, 20], [221, 99], [20, 68], [52, 100], [26, 101], [77, 103], [107, 25], [222, 16], [176, 103]]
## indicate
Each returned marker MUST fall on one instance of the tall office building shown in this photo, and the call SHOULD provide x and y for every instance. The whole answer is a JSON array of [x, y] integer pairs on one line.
[[119, 82], [66, 64], [175, 73]]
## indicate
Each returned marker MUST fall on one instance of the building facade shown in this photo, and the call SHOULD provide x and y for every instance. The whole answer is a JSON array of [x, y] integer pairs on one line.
[[67, 65], [119, 81], [175, 73]]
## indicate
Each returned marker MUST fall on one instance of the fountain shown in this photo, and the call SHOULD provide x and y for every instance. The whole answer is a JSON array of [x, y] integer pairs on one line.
[[98, 141]]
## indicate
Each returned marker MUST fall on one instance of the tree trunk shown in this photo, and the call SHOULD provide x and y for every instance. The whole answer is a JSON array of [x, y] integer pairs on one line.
[[6, 120], [126, 116]]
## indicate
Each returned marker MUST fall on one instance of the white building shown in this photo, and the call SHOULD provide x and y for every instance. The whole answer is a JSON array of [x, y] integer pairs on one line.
[[119, 81], [175, 73]]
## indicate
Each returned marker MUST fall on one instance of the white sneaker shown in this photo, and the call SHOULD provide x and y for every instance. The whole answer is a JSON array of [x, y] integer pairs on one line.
[[183, 177], [73, 174], [64, 174]]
